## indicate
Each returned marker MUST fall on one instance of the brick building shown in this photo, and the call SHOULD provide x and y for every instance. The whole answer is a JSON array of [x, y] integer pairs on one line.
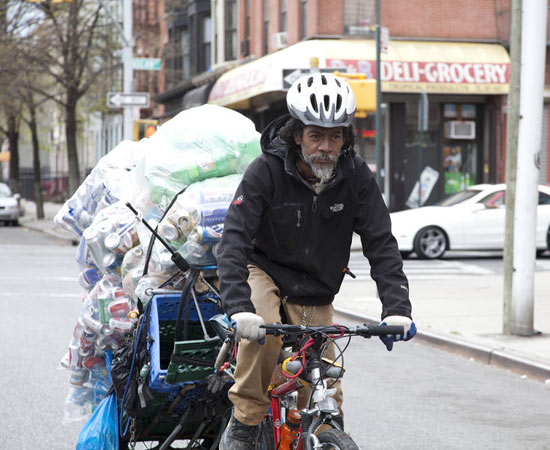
[[456, 53]]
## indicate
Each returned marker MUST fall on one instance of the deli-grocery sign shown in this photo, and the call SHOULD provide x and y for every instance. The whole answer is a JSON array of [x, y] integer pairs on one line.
[[434, 77]]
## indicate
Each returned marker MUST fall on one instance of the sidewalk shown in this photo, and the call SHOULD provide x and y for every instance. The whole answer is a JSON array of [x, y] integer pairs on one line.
[[462, 315]]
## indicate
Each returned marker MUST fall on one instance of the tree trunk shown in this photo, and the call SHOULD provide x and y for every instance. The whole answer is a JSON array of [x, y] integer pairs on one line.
[[72, 154], [13, 139], [36, 164]]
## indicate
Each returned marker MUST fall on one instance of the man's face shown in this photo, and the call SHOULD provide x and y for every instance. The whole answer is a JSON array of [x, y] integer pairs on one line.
[[320, 148]]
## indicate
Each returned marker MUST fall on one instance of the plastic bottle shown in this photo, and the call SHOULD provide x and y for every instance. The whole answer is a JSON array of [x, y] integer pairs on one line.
[[290, 430]]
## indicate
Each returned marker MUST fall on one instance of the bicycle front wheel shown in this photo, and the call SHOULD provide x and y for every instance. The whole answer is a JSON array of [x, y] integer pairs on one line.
[[336, 440]]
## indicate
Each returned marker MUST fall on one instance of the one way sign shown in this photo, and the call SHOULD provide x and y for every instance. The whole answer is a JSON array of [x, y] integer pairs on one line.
[[122, 99]]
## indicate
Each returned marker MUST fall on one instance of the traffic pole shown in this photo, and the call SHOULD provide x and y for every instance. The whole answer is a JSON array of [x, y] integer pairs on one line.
[[512, 127], [533, 55], [378, 116], [128, 71]]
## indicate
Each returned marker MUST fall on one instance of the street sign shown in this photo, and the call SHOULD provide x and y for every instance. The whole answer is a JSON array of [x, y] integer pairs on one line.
[[122, 99], [291, 75], [147, 63]]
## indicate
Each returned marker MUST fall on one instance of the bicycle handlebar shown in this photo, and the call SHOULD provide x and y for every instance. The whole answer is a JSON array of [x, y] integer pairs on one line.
[[366, 330]]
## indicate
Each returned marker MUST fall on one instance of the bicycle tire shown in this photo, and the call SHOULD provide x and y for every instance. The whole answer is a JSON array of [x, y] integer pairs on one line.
[[336, 440], [266, 439]]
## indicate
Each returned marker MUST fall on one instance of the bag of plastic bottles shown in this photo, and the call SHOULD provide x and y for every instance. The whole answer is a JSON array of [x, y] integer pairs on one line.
[[199, 143]]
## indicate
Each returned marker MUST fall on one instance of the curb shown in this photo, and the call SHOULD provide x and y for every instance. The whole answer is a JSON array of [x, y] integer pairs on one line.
[[484, 354], [51, 233]]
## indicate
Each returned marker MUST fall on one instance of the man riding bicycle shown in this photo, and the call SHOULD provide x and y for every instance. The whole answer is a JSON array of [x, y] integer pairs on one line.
[[287, 238]]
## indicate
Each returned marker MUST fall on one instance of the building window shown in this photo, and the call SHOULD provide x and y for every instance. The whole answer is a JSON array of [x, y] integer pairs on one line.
[[359, 15], [205, 43], [230, 30], [186, 51], [247, 20], [283, 15], [266, 26], [303, 17]]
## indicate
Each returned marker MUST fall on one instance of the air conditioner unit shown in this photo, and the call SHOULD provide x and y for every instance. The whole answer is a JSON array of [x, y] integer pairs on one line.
[[279, 40], [458, 129]]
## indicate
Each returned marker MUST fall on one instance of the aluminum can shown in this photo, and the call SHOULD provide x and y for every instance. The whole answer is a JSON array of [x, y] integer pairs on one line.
[[204, 235], [119, 308], [187, 219], [170, 231], [86, 341], [75, 360], [121, 325], [93, 325], [102, 307], [78, 376], [212, 215], [91, 361], [88, 278], [113, 243], [106, 227]]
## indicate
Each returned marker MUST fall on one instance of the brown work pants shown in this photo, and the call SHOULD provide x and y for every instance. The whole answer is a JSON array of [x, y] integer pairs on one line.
[[256, 362]]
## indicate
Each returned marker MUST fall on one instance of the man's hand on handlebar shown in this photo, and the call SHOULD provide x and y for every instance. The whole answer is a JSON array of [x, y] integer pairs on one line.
[[409, 329], [247, 326]]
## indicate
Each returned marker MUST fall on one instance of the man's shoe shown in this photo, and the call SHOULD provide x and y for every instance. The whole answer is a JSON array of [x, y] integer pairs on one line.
[[238, 436]]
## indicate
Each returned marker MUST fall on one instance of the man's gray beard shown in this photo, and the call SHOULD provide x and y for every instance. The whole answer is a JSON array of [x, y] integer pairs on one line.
[[325, 173]]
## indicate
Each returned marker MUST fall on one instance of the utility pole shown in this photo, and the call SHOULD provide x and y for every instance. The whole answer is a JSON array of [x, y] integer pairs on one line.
[[512, 127], [518, 318], [378, 117], [128, 70]]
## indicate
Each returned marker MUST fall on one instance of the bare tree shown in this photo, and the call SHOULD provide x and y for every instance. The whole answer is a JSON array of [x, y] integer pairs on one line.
[[73, 45], [12, 20]]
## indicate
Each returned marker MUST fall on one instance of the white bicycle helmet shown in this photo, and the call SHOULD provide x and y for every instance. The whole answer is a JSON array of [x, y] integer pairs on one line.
[[321, 99]]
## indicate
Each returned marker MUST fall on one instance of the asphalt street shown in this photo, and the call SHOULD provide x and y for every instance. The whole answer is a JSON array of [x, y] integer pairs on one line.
[[416, 397]]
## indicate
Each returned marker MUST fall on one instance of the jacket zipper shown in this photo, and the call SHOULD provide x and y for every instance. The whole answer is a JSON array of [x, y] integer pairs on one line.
[[314, 204], [299, 215]]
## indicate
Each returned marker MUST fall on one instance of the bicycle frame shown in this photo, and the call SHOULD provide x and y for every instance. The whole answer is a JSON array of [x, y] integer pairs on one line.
[[324, 406]]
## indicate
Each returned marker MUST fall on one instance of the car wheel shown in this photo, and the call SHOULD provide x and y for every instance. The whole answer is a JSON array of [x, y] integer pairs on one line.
[[430, 243]]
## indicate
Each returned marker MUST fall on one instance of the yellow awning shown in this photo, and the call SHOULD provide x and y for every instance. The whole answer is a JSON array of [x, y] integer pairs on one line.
[[434, 67]]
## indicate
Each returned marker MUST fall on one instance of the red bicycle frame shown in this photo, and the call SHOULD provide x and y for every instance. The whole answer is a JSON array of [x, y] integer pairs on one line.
[[276, 394]]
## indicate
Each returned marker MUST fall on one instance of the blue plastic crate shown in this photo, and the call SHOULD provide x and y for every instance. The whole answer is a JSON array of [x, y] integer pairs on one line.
[[162, 324]]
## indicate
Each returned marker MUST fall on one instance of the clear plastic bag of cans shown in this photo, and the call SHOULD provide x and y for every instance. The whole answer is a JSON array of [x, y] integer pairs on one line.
[[89, 273], [109, 182], [161, 269], [192, 147], [110, 236], [108, 315], [194, 223]]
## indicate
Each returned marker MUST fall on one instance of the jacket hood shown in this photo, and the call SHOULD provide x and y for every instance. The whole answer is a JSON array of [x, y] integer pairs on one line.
[[272, 144]]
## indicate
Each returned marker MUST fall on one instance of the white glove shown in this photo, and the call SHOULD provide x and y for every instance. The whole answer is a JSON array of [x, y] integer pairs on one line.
[[247, 326], [399, 321]]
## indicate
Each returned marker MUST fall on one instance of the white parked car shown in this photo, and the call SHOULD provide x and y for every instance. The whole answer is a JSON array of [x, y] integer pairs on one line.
[[10, 205], [469, 220]]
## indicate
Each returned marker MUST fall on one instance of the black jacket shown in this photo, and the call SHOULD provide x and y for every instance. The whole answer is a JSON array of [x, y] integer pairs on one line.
[[302, 239]]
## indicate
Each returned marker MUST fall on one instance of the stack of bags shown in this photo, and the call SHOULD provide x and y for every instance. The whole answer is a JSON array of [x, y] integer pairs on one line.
[[181, 180]]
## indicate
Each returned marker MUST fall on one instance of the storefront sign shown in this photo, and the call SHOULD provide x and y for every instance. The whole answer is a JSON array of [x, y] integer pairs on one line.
[[240, 81], [411, 76]]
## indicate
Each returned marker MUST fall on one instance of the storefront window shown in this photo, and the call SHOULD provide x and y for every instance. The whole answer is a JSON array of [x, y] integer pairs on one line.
[[459, 147]]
